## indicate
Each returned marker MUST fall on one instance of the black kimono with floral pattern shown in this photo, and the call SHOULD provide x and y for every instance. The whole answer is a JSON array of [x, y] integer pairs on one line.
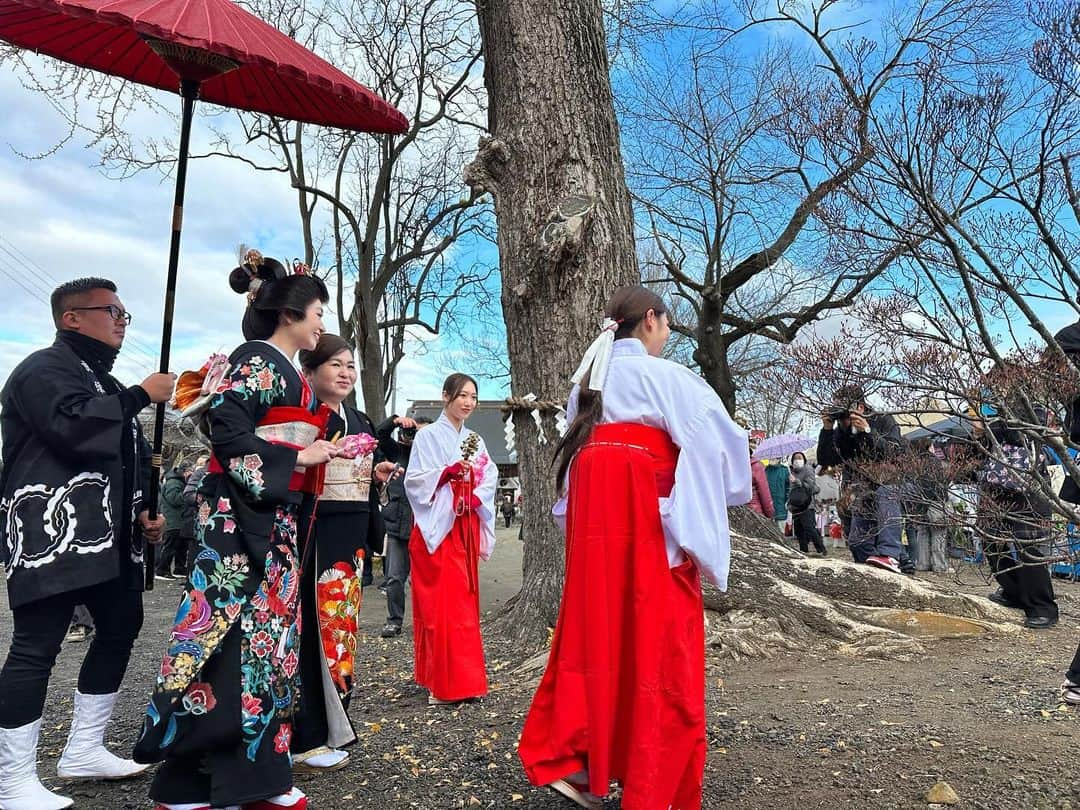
[[221, 710]]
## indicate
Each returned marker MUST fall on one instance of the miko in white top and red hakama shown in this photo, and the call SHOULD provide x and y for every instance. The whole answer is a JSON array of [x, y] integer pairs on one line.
[[645, 515], [450, 484]]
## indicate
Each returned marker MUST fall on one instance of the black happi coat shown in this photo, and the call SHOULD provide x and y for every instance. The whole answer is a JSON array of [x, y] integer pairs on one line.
[[75, 469]]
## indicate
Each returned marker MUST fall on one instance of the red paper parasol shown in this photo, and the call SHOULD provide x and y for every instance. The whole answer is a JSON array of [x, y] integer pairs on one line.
[[208, 49]]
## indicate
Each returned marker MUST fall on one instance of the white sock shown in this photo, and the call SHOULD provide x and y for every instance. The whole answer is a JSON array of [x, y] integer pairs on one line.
[[327, 759], [287, 799]]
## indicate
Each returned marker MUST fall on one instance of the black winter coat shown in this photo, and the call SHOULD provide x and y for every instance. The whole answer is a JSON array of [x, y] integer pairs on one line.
[[1069, 340], [75, 469], [861, 454], [397, 513]]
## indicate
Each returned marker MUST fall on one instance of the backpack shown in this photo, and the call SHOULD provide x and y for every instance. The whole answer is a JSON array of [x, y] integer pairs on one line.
[[799, 498]]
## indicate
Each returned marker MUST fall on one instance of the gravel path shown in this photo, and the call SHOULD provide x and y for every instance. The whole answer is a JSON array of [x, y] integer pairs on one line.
[[797, 731]]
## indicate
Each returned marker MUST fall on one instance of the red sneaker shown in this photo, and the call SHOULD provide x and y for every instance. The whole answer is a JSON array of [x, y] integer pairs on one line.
[[888, 563]]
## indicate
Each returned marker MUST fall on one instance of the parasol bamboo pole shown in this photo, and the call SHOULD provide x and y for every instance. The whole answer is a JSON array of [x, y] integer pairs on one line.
[[189, 92]]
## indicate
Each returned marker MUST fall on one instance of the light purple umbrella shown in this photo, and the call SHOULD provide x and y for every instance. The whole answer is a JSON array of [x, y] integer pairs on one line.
[[782, 446]]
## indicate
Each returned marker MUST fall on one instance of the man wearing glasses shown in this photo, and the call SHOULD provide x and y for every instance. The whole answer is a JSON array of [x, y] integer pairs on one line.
[[72, 528]]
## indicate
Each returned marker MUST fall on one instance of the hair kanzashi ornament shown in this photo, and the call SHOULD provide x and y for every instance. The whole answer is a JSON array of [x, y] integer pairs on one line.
[[254, 271], [301, 269]]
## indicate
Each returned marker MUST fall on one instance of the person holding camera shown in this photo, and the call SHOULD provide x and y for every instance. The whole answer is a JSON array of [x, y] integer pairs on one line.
[[866, 443], [397, 517]]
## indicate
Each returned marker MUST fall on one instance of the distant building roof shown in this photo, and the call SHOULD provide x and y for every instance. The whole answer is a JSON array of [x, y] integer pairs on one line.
[[487, 420]]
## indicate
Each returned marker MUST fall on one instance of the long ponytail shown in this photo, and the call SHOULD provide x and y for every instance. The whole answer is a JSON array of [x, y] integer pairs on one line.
[[627, 307]]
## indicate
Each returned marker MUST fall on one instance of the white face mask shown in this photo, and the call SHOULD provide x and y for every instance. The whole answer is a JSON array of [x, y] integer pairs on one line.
[[798, 465]]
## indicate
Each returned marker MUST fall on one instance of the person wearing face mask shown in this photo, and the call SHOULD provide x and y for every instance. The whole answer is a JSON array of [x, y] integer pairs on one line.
[[72, 532], [221, 712], [338, 533], [450, 483], [801, 505], [648, 467]]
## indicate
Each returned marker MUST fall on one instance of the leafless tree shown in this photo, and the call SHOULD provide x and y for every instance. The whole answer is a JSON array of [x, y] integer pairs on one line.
[[742, 163], [380, 216]]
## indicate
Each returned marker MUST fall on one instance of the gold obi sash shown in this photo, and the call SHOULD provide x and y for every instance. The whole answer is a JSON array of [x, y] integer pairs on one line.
[[348, 479]]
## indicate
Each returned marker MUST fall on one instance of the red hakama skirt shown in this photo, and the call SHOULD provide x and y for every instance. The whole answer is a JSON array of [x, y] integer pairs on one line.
[[623, 696], [447, 648]]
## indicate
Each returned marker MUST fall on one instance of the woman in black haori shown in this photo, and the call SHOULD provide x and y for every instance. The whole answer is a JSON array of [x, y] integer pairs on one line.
[[342, 528], [220, 716]]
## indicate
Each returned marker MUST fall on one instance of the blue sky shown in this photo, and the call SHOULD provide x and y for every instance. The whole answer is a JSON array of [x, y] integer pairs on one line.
[[63, 218]]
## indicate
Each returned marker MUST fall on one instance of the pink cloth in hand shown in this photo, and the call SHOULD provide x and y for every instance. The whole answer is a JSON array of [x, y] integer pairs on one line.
[[358, 445]]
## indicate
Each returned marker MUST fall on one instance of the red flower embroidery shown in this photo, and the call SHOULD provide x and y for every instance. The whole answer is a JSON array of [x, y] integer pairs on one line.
[[265, 378], [229, 526], [262, 644], [223, 505], [199, 698], [281, 741], [252, 705]]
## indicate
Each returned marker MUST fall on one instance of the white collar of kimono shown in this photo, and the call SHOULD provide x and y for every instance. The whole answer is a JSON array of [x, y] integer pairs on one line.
[[279, 351], [628, 346], [445, 420]]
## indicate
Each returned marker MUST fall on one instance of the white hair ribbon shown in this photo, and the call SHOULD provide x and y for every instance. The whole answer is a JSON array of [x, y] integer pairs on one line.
[[597, 356]]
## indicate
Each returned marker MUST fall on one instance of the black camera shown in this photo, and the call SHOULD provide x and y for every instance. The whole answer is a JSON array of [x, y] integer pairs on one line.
[[837, 413], [407, 433]]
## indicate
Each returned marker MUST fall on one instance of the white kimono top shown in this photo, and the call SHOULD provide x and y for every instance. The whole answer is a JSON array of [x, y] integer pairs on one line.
[[435, 448], [713, 471]]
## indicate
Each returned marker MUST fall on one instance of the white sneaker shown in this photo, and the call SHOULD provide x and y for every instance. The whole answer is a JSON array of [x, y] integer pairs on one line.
[[85, 755], [20, 788], [1070, 693]]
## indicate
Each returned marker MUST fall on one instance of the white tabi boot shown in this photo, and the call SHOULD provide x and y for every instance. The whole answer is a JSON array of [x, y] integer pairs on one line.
[[19, 785], [85, 755]]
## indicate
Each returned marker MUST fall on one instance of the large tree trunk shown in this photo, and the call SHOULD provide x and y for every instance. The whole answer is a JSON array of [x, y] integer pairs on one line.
[[565, 233], [369, 345], [711, 353]]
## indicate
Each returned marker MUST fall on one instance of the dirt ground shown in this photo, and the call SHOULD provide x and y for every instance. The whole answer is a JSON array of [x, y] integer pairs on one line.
[[798, 731]]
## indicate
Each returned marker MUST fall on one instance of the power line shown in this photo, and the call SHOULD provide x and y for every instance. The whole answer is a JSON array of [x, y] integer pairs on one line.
[[14, 276], [19, 256]]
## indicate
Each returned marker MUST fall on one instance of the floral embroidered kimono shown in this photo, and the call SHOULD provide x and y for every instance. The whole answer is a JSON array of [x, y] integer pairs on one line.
[[450, 535], [221, 710], [346, 525]]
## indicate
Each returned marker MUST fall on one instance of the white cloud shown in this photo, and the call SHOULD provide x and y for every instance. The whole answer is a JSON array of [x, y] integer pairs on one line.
[[68, 220]]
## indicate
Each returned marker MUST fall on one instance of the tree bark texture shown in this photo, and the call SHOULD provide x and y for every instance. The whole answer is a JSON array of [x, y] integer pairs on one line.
[[779, 598], [565, 234]]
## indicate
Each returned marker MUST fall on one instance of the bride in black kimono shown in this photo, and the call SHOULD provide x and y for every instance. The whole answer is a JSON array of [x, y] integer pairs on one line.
[[346, 527], [220, 716]]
